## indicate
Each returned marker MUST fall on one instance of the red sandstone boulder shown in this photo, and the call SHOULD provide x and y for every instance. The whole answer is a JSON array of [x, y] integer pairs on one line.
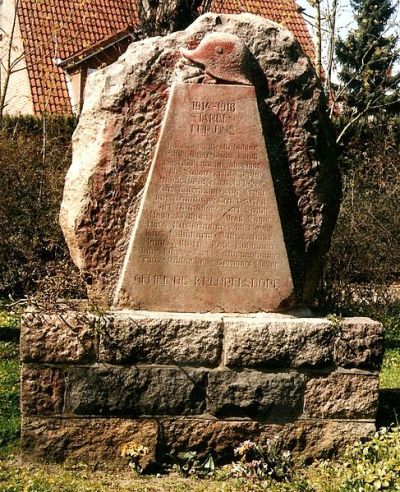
[[117, 134]]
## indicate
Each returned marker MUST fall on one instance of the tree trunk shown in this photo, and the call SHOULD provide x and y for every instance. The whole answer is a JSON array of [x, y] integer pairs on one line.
[[318, 41]]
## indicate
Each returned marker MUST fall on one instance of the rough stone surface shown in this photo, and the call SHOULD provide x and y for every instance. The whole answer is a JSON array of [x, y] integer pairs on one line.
[[342, 396], [253, 394], [100, 440], [86, 410], [132, 391], [161, 340], [297, 343], [86, 440], [306, 439], [316, 439], [42, 391], [120, 125], [165, 338], [64, 337], [360, 344]]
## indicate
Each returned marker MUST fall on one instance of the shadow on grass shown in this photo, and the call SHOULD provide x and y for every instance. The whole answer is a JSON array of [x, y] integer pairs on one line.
[[388, 407], [9, 334]]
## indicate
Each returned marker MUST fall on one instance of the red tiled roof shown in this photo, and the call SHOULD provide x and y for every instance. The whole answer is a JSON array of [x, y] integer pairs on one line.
[[53, 29], [285, 12], [59, 29]]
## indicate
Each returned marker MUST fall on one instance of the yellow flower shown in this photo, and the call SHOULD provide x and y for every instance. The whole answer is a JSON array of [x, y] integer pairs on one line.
[[134, 450]]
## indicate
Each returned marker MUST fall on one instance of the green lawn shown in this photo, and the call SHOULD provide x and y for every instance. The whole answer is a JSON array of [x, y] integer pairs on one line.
[[9, 382], [390, 373]]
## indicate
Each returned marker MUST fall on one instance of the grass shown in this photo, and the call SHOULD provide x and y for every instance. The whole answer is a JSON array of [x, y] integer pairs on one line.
[[9, 402], [9, 382], [390, 373], [369, 466], [16, 477]]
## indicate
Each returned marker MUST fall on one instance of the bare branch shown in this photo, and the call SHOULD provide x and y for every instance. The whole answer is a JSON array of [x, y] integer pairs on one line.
[[3, 90], [332, 9]]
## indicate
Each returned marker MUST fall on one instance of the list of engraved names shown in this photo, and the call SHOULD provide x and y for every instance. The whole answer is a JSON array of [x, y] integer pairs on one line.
[[210, 205]]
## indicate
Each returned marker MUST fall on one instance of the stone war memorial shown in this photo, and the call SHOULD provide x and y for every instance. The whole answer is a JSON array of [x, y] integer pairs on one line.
[[199, 206]]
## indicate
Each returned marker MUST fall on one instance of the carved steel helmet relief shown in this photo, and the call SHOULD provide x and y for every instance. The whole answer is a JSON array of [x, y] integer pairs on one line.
[[222, 56]]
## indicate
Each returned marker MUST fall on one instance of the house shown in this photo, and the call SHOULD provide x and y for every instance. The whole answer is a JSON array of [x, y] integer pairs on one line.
[[57, 43]]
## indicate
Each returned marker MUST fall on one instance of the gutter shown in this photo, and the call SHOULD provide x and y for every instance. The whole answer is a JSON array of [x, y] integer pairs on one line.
[[80, 57]]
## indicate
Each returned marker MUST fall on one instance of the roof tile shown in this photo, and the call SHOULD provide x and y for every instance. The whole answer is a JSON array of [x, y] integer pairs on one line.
[[53, 29], [59, 28]]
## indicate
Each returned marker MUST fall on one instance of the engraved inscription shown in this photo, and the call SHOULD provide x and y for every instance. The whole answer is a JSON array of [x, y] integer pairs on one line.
[[208, 232], [213, 118]]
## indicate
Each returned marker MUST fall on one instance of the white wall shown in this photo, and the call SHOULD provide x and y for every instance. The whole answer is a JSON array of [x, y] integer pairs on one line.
[[18, 96]]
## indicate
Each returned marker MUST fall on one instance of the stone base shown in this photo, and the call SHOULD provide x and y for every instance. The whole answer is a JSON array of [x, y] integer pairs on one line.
[[174, 382]]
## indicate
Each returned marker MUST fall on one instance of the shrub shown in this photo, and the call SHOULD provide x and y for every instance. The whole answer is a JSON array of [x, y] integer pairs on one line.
[[364, 259], [34, 156], [374, 465], [262, 463]]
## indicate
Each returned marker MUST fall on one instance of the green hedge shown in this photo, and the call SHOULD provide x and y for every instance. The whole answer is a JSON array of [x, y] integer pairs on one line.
[[34, 157], [364, 260]]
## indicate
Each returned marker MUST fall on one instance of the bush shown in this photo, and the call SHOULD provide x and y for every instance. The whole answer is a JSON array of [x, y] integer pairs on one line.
[[367, 466], [34, 156], [374, 465], [256, 462], [364, 259]]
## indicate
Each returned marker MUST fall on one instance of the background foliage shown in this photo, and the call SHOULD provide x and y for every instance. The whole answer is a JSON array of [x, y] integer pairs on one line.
[[363, 265], [367, 57], [34, 157], [362, 268]]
